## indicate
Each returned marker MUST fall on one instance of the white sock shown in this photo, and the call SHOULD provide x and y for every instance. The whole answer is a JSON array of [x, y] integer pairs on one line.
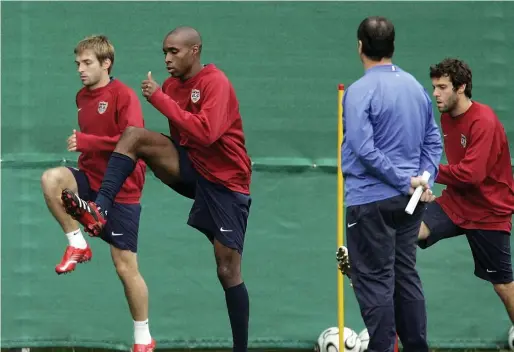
[[142, 333], [76, 239]]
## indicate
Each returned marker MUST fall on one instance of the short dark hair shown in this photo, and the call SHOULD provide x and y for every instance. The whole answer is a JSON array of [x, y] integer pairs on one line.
[[457, 71], [377, 36]]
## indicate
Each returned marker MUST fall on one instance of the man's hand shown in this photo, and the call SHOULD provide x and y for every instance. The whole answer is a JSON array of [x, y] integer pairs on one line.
[[149, 86], [427, 196], [417, 181], [72, 142]]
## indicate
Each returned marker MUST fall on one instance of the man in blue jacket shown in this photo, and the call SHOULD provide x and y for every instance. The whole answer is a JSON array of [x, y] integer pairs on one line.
[[390, 139]]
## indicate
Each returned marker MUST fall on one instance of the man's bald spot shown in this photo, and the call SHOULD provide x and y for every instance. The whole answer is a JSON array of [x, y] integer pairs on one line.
[[187, 35]]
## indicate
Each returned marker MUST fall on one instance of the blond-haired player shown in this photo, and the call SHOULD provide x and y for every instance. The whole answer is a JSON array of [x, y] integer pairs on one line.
[[105, 107]]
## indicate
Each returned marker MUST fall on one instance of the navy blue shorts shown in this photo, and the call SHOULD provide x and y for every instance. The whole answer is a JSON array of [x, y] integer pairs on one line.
[[123, 226], [490, 249], [217, 212]]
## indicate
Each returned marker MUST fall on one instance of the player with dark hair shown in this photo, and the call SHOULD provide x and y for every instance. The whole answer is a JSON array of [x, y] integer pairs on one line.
[[205, 159], [390, 138], [479, 197], [106, 108]]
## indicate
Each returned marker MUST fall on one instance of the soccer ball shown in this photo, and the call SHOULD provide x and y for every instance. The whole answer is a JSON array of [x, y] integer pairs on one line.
[[511, 338], [364, 337], [328, 341]]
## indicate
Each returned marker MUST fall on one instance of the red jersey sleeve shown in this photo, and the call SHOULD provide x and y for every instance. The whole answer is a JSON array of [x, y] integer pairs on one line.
[[478, 160], [92, 143], [210, 123], [129, 114]]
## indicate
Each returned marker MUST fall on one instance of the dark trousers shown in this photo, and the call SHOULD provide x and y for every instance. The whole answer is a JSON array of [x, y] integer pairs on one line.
[[382, 243]]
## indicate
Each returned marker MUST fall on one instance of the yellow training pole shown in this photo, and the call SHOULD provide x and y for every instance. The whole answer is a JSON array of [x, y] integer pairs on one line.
[[340, 209]]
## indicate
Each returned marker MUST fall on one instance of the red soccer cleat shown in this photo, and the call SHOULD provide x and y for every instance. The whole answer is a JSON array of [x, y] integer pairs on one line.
[[144, 348], [71, 258], [86, 213]]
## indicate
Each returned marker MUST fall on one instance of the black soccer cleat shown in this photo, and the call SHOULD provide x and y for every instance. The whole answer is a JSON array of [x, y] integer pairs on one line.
[[343, 261]]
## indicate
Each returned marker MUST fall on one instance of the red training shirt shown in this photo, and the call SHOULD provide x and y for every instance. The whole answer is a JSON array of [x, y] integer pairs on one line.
[[203, 114], [479, 193], [103, 114]]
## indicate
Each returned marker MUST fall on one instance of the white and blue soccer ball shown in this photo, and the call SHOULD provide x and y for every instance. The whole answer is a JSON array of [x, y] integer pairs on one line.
[[511, 338], [328, 341], [364, 338]]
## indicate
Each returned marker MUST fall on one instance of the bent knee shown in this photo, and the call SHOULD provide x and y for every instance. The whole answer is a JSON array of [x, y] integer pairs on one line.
[[133, 132], [57, 177], [424, 231], [133, 142]]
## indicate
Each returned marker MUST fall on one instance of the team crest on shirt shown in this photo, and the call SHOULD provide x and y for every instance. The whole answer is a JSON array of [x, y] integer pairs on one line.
[[195, 95], [102, 107], [463, 141]]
